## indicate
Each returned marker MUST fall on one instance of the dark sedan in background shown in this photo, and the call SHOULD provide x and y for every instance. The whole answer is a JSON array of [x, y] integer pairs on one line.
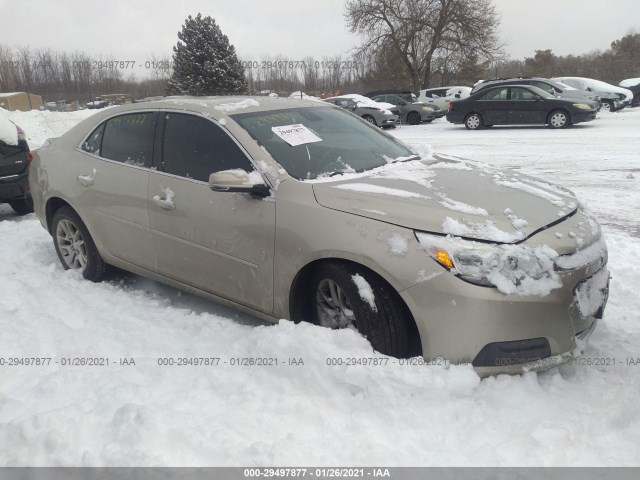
[[519, 105]]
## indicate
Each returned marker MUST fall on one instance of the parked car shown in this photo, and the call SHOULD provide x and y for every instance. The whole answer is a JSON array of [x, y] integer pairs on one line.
[[14, 166], [632, 84], [455, 263], [412, 113], [613, 98], [441, 97], [519, 105], [554, 88], [407, 95], [382, 115]]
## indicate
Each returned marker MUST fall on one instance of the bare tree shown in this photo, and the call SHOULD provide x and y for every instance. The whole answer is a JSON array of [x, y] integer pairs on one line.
[[418, 32]]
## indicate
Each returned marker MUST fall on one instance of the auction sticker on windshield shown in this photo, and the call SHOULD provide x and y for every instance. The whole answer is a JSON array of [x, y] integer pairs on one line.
[[296, 135]]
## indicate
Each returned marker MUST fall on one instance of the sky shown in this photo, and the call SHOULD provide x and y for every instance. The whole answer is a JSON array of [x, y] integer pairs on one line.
[[136, 29]]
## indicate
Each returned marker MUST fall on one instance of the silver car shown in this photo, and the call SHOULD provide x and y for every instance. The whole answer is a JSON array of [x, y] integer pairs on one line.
[[299, 210], [375, 113]]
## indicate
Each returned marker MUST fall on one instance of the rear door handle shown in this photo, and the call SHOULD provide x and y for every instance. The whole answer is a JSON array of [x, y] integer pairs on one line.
[[87, 180]]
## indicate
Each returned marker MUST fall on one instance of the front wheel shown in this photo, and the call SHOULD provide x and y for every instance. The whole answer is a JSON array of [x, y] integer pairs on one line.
[[607, 106], [413, 118], [74, 245], [370, 119], [345, 296], [473, 121], [559, 119]]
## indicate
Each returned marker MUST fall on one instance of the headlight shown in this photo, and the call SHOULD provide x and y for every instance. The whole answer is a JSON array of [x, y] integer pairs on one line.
[[582, 106], [513, 269], [385, 112], [428, 109]]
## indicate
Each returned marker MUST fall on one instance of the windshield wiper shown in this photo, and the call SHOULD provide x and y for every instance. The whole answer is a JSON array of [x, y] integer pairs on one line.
[[406, 159]]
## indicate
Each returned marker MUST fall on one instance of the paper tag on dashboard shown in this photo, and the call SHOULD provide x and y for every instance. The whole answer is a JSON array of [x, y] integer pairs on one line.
[[296, 135]]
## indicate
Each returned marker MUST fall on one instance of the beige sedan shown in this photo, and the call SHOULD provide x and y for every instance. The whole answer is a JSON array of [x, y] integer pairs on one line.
[[297, 209]]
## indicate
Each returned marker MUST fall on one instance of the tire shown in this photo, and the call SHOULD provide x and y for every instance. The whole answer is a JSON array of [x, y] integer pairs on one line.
[[413, 118], [559, 119], [473, 121], [607, 106], [370, 119], [74, 245], [336, 303], [22, 206]]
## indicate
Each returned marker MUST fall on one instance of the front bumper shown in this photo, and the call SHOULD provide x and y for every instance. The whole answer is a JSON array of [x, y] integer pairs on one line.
[[457, 321], [580, 117]]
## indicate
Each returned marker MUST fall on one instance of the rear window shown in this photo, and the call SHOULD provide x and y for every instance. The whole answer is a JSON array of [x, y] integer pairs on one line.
[[129, 138]]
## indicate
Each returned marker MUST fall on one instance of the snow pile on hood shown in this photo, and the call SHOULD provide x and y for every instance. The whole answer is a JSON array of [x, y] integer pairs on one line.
[[8, 130]]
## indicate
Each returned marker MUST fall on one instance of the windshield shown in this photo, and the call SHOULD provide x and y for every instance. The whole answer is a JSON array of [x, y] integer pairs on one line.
[[539, 91], [316, 142]]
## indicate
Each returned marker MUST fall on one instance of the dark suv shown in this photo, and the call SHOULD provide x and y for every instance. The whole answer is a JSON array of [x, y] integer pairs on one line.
[[14, 168], [554, 88]]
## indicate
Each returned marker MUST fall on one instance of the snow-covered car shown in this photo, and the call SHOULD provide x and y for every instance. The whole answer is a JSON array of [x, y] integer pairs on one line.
[[434, 256], [613, 98], [632, 84], [14, 166], [442, 96], [383, 115], [414, 112]]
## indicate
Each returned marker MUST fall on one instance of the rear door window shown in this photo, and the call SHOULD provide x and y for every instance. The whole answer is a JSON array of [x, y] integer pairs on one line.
[[129, 138], [194, 147], [497, 94], [94, 141]]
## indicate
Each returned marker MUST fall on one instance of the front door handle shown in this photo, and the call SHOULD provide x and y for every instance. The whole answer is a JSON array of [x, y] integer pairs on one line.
[[165, 203]]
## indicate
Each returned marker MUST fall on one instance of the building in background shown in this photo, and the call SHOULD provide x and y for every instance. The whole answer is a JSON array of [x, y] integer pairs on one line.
[[20, 101]]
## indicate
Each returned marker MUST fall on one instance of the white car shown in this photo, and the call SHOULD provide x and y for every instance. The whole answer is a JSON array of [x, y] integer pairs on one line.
[[443, 95], [603, 89]]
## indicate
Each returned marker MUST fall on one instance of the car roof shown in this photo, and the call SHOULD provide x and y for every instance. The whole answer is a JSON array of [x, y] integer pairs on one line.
[[228, 105]]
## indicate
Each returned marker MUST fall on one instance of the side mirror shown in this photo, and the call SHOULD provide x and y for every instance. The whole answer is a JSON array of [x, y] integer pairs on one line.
[[236, 180]]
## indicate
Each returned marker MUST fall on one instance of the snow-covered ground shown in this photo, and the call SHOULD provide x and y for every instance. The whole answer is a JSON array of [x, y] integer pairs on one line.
[[313, 414]]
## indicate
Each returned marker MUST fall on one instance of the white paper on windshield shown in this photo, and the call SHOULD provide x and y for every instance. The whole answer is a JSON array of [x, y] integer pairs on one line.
[[296, 135]]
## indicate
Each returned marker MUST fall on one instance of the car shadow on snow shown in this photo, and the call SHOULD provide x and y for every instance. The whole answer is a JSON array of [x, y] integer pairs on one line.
[[176, 298], [7, 214]]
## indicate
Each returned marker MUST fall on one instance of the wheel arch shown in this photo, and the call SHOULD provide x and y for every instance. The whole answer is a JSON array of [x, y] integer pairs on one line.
[[300, 302], [53, 205]]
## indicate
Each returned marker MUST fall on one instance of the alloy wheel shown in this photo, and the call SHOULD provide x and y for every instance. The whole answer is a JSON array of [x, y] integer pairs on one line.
[[333, 307], [71, 245]]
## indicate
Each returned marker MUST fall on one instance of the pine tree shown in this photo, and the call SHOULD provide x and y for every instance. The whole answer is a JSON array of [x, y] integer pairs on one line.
[[204, 62]]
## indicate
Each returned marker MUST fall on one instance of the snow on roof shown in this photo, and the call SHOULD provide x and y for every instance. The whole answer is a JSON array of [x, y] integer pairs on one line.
[[630, 82], [10, 94], [363, 101]]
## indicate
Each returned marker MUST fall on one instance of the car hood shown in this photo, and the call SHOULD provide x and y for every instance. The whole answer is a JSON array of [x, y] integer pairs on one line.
[[448, 195]]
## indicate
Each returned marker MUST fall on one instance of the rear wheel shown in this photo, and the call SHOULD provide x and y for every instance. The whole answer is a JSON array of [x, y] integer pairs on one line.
[[74, 245], [345, 296], [606, 106], [559, 119], [22, 206], [473, 121], [413, 118], [370, 119]]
